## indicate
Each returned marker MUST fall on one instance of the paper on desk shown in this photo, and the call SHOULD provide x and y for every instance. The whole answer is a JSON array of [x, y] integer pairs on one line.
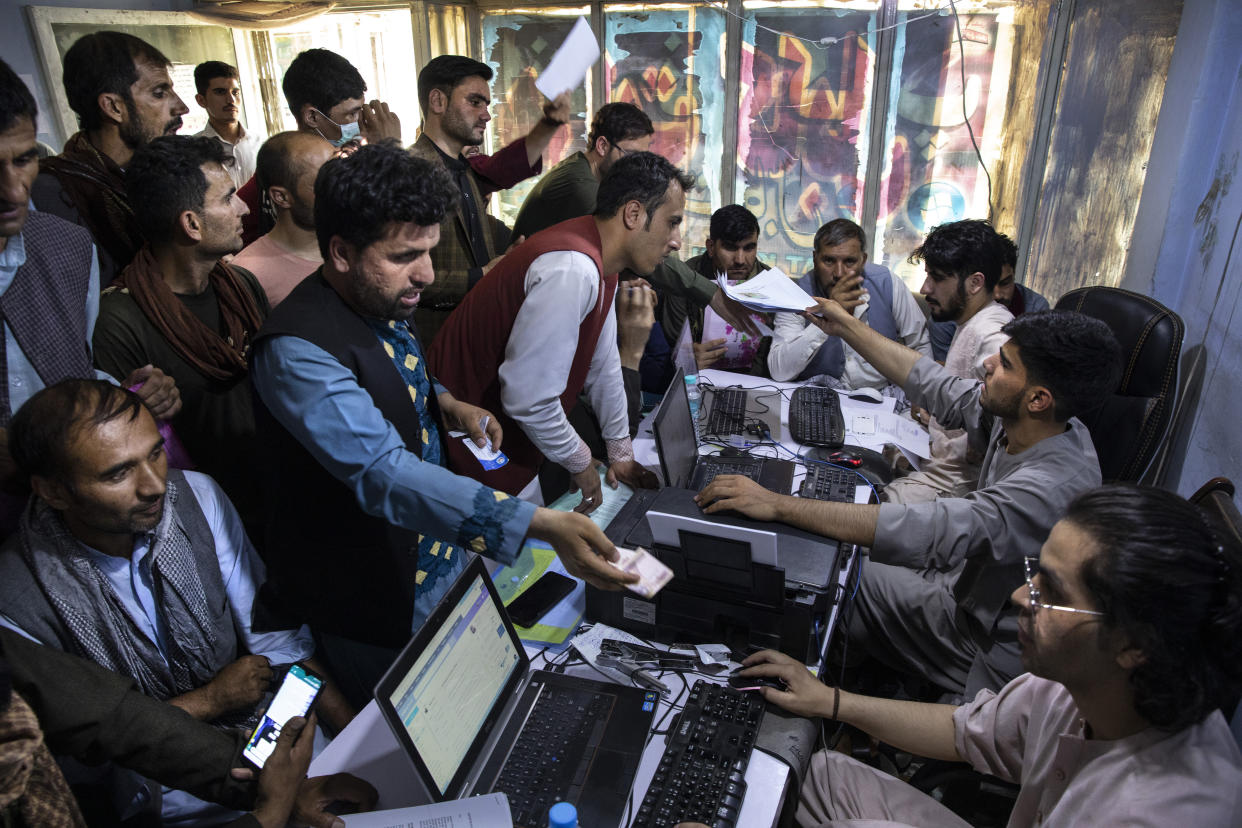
[[886, 427], [588, 642], [771, 290], [614, 499], [569, 66], [490, 810]]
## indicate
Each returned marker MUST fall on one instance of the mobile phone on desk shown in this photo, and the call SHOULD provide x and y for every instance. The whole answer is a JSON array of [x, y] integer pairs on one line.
[[539, 597], [294, 698]]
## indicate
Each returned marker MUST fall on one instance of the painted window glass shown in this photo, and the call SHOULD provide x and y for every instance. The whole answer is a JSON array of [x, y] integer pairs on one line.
[[667, 60], [518, 45], [803, 122]]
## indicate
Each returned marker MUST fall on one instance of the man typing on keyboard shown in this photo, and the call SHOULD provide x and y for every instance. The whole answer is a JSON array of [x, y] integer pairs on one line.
[[1130, 632], [933, 599]]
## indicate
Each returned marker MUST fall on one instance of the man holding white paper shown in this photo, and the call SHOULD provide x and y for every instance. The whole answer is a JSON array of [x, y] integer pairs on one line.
[[933, 598], [841, 271], [454, 95]]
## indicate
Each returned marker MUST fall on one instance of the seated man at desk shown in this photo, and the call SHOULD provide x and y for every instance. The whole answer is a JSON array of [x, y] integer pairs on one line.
[[801, 350], [1132, 638], [351, 421], [933, 599]]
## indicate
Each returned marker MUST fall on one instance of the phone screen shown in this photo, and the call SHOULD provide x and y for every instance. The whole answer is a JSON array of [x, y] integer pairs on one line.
[[294, 698], [539, 597]]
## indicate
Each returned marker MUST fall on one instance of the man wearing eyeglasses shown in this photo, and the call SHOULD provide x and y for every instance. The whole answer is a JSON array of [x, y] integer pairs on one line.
[[454, 95], [1118, 719], [933, 596]]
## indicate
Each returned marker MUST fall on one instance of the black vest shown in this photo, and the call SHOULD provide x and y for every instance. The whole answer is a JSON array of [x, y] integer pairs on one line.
[[339, 569]]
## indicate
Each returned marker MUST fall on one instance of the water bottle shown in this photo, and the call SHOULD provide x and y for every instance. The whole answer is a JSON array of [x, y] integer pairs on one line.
[[695, 396], [562, 815]]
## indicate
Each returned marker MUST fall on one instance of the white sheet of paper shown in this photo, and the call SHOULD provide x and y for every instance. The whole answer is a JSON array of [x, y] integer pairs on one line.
[[683, 351], [905, 433], [569, 66], [490, 810], [771, 290]]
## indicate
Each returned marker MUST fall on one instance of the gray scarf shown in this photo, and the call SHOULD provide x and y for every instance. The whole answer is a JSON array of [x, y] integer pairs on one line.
[[83, 599]]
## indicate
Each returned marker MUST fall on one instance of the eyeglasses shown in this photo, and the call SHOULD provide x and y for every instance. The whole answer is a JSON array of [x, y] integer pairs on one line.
[[1032, 566], [624, 152]]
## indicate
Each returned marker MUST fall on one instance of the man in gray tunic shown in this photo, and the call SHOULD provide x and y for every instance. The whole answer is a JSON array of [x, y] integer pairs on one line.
[[933, 599]]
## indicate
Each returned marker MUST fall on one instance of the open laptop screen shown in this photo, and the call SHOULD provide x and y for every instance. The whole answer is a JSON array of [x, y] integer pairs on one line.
[[452, 682], [676, 442]]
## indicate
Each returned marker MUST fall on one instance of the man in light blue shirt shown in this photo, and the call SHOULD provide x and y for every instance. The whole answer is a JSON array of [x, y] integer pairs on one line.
[[143, 570]]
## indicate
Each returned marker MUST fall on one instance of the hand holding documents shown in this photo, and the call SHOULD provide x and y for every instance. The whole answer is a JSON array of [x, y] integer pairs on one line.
[[771, 290], [568, 67]]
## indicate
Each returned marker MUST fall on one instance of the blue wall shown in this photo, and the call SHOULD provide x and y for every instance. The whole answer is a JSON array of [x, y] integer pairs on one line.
[[1186, 253]]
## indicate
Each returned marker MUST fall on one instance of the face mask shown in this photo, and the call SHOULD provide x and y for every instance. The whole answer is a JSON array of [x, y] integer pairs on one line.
[[348, 132]]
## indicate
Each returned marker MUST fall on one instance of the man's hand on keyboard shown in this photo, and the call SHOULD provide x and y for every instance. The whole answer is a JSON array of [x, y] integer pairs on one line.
[[741, 494], [582, 547], [804, 695]]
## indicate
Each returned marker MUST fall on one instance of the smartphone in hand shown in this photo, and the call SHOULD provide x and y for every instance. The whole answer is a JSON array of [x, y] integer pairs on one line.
[[294, 698]]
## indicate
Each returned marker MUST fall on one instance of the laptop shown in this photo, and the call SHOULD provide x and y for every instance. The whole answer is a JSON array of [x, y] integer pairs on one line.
[[678, 448], [462, 703]]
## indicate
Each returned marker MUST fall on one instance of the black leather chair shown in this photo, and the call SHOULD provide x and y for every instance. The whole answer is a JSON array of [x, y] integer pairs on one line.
[[1129, 427]]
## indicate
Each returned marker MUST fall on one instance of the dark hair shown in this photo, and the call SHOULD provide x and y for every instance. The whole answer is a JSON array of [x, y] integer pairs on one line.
[[445, 73], [617, 122], [733, 223], [639, 176], [961, 248], [40, 431], [839, 231], [358, 196], [206, 72], [1161, 575], [104, 62], [322, 79], [1074, 355], [165, 178], [15, 99], [1008, 249]]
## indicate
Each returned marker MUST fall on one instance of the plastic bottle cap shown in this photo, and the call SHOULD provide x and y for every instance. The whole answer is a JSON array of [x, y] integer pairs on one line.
[[692, 379], [562, 815]]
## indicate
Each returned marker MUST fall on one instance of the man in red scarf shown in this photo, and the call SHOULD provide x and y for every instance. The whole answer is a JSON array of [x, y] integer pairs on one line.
[[178, 307], [120, 89]]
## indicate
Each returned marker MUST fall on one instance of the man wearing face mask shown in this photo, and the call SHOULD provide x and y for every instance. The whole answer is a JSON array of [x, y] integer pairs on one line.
[[325, 93], [120, 89]]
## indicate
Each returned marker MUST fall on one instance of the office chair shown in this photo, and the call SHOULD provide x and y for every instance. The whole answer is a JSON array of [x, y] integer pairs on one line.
[[1129, 427]]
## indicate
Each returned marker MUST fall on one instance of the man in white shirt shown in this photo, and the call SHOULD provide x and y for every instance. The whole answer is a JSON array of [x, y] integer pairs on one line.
[[964, 260], [1131, 630], [220, 94], [841, 271], [541, 327]]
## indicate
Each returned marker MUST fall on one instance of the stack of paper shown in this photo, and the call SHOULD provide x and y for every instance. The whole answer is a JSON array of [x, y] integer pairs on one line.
[[491, 810], [771, 290]]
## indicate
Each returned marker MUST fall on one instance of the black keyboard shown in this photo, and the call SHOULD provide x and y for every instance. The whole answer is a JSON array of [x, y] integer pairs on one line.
[[707, 468], [701, 774], [829, 483], [728, 412], [815, 417], [550, 760]]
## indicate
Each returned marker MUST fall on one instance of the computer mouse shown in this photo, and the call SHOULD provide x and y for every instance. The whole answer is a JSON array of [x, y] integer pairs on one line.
[[868, 395]]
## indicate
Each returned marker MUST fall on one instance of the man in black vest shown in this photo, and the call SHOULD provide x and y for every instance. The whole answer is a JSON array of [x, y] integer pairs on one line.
[[367, 528], [49, 288]]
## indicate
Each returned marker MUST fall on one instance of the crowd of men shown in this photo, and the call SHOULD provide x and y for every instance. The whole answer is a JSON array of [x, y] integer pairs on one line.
[[233, 373]]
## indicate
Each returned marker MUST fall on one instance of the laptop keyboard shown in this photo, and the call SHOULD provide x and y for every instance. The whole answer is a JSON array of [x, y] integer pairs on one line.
[[728, 412], [815, 417], [829, 483], [550, 760], [700, 777]]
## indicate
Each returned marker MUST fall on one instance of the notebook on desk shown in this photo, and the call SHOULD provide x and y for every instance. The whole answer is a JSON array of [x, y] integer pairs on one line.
[[678, 449], [463, 705]]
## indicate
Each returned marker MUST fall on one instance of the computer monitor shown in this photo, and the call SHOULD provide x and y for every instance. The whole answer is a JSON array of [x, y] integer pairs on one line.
[[676, 442]]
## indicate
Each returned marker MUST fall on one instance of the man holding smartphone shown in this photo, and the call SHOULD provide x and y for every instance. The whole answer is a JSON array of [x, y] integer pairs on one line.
[[367, 527]]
